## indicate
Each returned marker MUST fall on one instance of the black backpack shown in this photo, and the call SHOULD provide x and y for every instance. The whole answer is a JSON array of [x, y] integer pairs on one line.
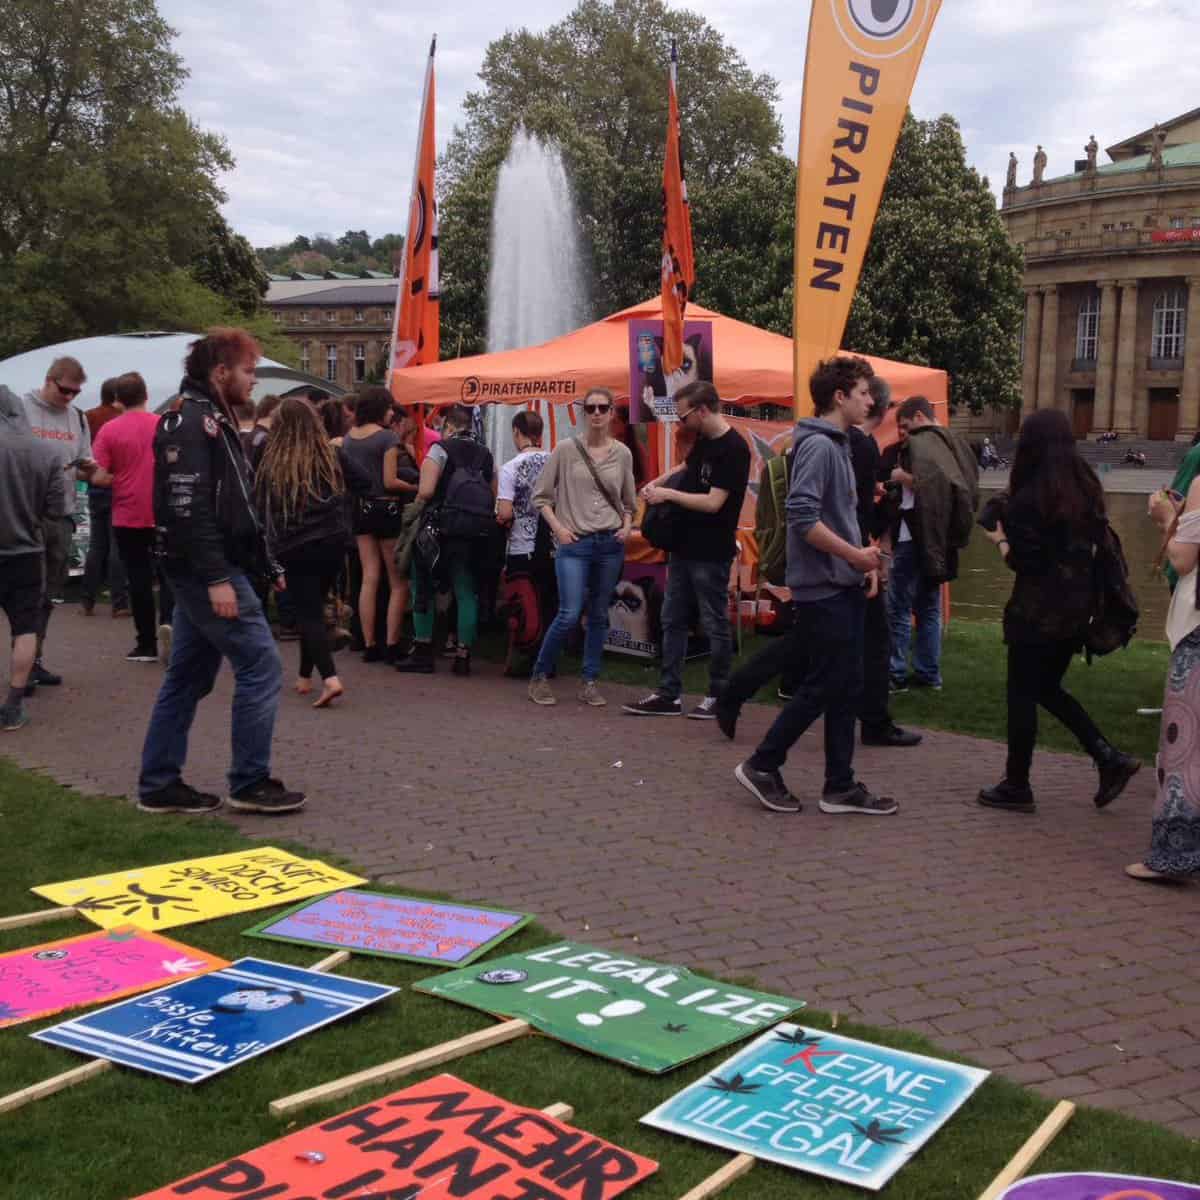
[[1114, 615], [467, 509]]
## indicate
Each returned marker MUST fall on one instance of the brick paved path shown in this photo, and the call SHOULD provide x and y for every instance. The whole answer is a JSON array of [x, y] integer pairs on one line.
[[1013, 939]]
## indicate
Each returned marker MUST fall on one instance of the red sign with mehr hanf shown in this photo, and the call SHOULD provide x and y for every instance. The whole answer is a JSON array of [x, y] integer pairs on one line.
[[1175, 235], [438, 1139]]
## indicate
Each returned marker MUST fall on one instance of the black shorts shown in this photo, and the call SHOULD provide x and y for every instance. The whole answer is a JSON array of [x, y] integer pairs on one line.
[[21, 591], [378, 516]]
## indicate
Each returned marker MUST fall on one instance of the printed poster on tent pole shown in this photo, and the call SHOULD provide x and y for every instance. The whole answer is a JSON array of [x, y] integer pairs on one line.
[[821, 1103]]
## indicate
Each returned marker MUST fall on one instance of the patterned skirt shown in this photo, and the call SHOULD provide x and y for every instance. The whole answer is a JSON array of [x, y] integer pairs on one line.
[[1175, 835]]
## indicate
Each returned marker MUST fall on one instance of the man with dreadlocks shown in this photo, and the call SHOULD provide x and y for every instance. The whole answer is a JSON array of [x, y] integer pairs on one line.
[[213, 548], [300, 486]]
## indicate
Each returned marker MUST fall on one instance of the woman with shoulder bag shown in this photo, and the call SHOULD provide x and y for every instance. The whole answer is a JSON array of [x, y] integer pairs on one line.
[[1053, 521], [301, 493], [586, 494], [377, 451]]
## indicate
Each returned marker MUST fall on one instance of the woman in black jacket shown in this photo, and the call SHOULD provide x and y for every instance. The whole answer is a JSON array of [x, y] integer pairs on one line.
[[302, 497], [1053, 519]]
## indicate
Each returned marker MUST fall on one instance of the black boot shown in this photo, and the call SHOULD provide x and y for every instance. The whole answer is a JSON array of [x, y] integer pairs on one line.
[[419, 661], [462, 663], [1116, 770], [1016, 797]]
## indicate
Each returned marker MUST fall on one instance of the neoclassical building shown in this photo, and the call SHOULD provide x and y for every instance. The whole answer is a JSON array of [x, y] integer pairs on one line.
[[1112, 284]]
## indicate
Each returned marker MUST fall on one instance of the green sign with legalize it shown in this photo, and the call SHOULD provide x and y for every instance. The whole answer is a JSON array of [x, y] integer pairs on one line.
[[641, 1013]]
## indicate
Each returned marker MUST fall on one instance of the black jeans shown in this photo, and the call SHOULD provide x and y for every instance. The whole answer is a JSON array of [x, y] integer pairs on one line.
[[136, 547], [311, 572], [1035, 674], [103, 564], [828, 642]]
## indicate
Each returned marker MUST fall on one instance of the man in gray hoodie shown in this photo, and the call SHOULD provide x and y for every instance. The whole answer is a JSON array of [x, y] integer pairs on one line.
[[830, 574], [32, 491]]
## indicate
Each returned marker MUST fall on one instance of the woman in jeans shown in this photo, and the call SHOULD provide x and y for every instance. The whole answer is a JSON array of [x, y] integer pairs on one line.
[[301, 492], [586, 494], [376, 450], [1053, 519]]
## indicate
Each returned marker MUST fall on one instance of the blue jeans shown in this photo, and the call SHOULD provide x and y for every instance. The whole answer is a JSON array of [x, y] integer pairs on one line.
[[826, 658], [592, 565], [103, 564], [706, 584], [200, 639], [908, 595]]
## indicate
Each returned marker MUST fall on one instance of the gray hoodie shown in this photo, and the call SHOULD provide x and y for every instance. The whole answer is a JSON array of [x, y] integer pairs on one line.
[[822, 489], [33, 484]]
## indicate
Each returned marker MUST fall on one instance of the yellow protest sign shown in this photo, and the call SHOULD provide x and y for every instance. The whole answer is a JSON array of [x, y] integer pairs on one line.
[[197, 889]]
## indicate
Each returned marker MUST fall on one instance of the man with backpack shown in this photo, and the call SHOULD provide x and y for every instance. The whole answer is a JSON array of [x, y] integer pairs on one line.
[[458, 522]]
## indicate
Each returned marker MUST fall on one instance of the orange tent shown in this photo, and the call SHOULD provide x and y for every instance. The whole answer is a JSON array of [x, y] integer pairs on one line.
[[751, 366]]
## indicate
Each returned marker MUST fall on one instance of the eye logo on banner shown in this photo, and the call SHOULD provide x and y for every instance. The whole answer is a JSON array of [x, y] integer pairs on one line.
[[881, 28]]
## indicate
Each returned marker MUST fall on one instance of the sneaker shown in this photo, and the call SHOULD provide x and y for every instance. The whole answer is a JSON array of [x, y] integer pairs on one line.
[[767, 787], [450, 649], [1016, 797], [179, 797], [727, 717], [654, 705], [931, 685], [859, 799], [539, 691], [706, 710], [147, 654], [164, 644], [39, 676], [372, 654], [266, 796], [590, 694], [12, 717], [890, 735], [784, 693], [1116, 770], [120, 613], [419, 660], [897, 687]]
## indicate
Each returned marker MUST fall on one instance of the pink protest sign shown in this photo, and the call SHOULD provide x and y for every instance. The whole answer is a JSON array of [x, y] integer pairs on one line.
[[103, 965], [1088, 1186]]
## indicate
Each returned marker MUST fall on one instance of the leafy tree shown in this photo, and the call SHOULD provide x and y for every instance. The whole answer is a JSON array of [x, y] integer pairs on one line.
[[354, 243], [597, 83], [228, 265], [941, 283]]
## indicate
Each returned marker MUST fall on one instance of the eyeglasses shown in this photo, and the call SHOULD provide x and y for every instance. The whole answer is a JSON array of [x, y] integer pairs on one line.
[[597, 408], [684, 414], [67, 391]]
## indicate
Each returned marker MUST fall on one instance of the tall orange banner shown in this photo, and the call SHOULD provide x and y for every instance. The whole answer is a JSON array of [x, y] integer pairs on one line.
[[678, 261], [418, 310], [862, 60]]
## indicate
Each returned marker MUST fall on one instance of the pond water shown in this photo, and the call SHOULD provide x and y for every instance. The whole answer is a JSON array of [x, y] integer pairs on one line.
[[984, 583]]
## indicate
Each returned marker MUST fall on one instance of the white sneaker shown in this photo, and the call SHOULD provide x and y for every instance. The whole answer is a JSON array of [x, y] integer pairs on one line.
[[164, 644], [706, 710], [539, 691]]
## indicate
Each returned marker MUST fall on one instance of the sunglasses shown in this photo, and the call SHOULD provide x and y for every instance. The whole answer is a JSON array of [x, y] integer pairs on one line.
[[597, 408], [67, 391]]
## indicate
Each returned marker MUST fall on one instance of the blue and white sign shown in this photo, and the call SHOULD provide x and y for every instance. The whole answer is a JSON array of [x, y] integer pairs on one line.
[[192, 1030], [830, 1105]]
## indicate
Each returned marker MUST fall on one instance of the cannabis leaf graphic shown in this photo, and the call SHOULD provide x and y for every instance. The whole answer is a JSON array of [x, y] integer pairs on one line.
[[880, 1136], [798, 1037], [735, 1084], [669, 1028]]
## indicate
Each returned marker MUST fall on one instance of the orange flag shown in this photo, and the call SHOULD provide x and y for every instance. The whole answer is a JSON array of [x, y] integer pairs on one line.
[[678, 264], [415, 334], [862, 61]]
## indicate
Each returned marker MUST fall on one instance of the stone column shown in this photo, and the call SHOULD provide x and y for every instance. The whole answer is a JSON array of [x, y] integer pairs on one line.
[[1047, 393], [1106, 354], [1126, 365], [1033, 341], [1189, 392]]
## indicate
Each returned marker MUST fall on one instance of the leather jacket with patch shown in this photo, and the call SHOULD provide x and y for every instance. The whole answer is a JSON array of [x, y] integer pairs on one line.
[[203, 496]]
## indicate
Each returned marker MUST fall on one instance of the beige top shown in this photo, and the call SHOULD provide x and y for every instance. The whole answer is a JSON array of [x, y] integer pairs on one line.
[[567, 486]]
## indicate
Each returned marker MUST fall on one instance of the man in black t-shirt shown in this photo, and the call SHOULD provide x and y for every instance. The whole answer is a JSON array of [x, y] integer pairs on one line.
[[710, 493]]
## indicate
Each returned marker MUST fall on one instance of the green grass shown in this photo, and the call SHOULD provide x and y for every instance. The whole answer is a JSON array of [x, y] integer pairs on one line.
[[125, 1133], [972, 700]]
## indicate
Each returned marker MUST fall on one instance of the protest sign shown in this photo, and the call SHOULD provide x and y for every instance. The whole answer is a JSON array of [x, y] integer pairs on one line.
[[409, 927], [818, 1102], [651, 389], [105, 965], [1100, 1187], [638, 1012], [447, 1138], [192, 1030], [197, 889]]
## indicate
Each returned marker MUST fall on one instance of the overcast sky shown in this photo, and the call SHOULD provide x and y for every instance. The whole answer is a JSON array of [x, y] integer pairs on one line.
[[319, 99]]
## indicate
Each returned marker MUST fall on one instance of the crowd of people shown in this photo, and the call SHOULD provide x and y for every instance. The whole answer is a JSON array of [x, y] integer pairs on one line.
[[206, 518]]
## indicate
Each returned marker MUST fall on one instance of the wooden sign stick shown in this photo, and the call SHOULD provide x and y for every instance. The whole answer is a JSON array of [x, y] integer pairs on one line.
[[97, 1066], [36, 918], [481, 1039], [560, 1112], [719, 1180], [1028, 1154]]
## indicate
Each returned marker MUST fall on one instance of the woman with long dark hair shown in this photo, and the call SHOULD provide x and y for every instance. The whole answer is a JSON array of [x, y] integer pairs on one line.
[[301, 494], [1053, 520]]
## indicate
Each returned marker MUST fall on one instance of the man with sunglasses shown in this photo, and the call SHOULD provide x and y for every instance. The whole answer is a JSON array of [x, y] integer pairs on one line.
[[53, 418], [711, 492]]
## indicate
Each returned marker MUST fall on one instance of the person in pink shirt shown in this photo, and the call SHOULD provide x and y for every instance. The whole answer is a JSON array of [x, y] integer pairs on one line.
[[124, 449]]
